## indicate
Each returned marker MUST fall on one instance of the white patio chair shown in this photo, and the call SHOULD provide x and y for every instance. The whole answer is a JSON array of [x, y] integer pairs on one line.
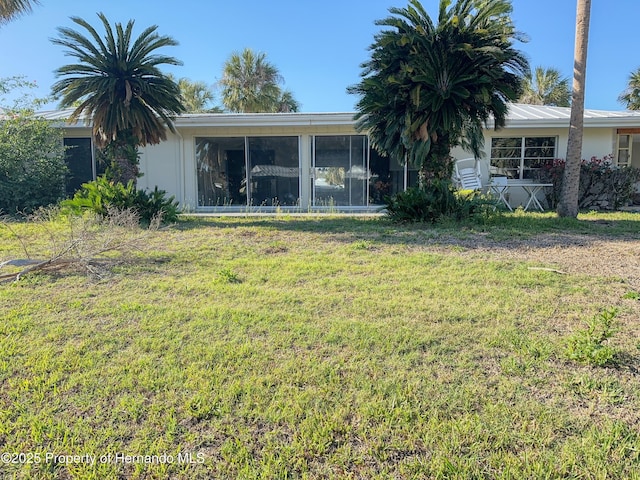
[[467, 174]]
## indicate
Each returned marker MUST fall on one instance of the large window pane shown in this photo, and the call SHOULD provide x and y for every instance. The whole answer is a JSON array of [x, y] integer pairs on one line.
[[221, 171], [79, 161], [274, 173], [341, 174]]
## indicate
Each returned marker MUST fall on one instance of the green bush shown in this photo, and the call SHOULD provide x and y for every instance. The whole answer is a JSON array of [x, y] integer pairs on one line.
[[101, 195], [32, 166], [436, 202], [588, 346]]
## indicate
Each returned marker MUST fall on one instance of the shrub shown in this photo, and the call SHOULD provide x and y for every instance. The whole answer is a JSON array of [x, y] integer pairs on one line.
[[32, 166], [102, 195], [603, 186], [435, 202]]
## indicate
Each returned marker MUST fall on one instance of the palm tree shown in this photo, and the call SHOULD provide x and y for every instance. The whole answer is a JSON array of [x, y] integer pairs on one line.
[[568, 202], [10, 9], [117, 83], [545, 86], [195, 96], [252, 84], [631, 96], [287, 103], [431, 86]]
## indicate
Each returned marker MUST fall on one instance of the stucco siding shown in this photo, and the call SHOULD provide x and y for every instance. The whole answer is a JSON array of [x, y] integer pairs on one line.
[[161, 166]]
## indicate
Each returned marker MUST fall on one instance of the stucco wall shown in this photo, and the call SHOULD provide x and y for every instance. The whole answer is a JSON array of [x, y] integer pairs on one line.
[[161, 166]]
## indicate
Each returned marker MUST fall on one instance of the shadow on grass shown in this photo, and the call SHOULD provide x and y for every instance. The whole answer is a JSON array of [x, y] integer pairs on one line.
[[512, 230]]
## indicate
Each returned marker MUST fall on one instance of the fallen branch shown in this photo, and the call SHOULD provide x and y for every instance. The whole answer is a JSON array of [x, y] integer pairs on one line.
[[88, 244], [560, 272]]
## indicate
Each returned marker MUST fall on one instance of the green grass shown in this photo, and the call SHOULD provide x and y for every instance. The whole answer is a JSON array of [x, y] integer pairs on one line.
[[320, 348]]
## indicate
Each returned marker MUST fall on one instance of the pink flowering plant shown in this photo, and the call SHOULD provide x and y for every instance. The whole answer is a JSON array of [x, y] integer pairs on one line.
[[603, 185]]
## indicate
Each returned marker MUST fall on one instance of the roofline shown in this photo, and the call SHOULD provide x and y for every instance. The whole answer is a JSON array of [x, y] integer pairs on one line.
[[264, 119], [553, 117]]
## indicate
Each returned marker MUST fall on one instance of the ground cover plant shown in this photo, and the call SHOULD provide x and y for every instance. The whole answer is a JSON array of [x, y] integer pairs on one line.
[[304, 347]]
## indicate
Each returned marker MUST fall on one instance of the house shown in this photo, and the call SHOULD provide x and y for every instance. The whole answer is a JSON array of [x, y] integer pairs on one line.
[[226, 162]]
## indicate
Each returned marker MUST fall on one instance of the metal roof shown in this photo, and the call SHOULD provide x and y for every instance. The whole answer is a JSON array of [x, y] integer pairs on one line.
[[520, 116]]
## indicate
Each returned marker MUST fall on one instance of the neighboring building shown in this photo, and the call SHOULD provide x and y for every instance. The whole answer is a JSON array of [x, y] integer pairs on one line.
[[317, 160]]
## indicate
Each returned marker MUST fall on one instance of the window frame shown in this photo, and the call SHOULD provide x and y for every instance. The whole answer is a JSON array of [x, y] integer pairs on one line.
[[522, 158]]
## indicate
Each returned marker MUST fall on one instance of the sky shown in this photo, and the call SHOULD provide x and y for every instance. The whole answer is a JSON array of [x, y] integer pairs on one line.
[[317, 45]]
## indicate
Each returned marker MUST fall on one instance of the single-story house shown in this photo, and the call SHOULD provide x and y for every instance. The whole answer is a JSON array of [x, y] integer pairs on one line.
[[226, 162]]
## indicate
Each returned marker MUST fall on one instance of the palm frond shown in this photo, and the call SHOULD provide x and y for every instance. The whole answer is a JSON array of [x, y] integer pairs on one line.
[[116, 83]]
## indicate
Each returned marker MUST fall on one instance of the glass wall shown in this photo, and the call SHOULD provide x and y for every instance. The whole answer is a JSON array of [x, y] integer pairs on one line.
[[388, 177], [340, 170], [221, 171], [274, 175], [266, 171]]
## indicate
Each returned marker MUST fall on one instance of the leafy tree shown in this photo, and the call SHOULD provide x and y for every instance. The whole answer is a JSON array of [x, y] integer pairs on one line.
[[431, 86], [568, 204], [251, 84], [630, 98], [10, 9], [118, 84], [32, 166], [545, 86]]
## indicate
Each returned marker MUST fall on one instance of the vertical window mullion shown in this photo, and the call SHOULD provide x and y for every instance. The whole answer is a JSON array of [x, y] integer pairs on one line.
[[247, 169], [523, 149]]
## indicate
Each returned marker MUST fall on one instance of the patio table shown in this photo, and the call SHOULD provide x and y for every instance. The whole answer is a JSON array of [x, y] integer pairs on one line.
[[532, 189]]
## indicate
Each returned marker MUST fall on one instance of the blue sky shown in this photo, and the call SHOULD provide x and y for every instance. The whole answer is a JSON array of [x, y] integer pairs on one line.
[[318, 46]]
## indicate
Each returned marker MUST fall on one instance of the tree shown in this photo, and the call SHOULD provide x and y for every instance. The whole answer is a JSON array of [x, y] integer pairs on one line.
[[429, 87], [195, 96], [545, 86], [10, 9], [287, 103], [252, 84], [118, 84], [32, 163], [630, 98], [568, 204]]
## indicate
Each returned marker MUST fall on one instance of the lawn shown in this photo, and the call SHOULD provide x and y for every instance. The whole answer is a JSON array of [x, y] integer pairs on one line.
[[297, 347]]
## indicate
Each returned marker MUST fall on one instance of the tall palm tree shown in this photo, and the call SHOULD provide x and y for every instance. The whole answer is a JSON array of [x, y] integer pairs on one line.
[[118, 84], [545, 86], [431, 86], [252, 84], [630, 98], [10, 9], [568, 202]]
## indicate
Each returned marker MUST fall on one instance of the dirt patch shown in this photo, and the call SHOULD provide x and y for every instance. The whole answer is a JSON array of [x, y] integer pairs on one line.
[[573, 254]]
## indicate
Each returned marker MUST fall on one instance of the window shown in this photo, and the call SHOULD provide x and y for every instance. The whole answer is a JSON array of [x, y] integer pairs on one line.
[[222, 173], [340, 170], [79, 159], [627, 147], [261, 171], [520, 157], [274, 171]]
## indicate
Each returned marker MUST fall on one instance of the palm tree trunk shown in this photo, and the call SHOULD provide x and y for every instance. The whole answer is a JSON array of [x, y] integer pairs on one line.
[[122, 170], [568, 205]]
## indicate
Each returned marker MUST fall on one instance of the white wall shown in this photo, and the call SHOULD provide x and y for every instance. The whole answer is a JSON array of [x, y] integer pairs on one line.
[[161, 166]]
